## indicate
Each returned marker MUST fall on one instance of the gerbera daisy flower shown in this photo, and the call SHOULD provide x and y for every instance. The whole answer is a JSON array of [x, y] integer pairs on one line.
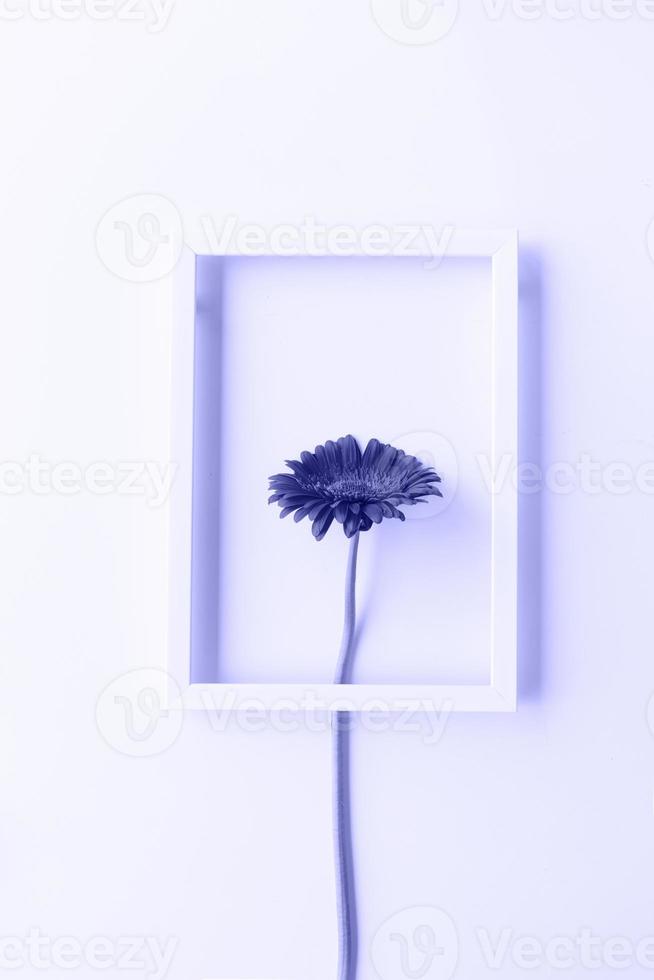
[[339, 482]]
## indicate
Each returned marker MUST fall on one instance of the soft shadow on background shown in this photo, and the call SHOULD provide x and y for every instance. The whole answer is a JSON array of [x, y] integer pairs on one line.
[[530, 303], [207, 415]]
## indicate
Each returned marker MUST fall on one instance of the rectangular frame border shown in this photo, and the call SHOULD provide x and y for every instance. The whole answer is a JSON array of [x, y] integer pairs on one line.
[[500, 695]]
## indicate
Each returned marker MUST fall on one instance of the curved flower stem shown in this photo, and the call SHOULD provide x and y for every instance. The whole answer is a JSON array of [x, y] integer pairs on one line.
[[345, 894]]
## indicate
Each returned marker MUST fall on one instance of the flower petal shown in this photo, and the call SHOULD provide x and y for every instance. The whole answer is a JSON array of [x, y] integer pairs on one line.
[[282, 480], [350, 452], [321, 525], [374, 512], [341, 511], [309, 461], [319, 507], [296, 466], [333, 456], [371, 453], [351, 525]]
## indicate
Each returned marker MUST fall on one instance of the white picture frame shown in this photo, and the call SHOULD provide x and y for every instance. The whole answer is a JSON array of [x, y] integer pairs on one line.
[[501, 247]]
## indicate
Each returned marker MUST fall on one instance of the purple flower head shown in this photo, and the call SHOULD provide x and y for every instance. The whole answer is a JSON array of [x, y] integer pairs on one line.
[[338, 481]]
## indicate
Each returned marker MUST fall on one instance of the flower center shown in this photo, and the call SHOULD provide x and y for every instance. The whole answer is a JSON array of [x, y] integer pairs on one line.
[[354, 486]]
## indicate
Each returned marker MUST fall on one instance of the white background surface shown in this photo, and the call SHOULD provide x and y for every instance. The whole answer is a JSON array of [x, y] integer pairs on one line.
[[540, 822], [314, 349]]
